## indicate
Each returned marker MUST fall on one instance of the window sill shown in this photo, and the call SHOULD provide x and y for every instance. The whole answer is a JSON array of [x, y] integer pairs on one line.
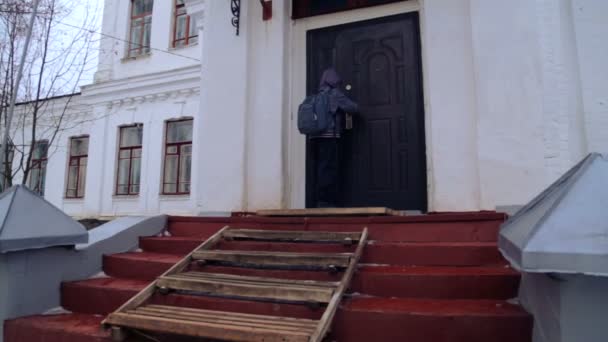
[[183, 47], [135, 58], [176, 197], [73, 199], [125, 197]]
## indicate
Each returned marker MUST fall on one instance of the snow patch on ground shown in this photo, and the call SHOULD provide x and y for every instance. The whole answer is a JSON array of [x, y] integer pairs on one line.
[[56, 311], [100, 275]]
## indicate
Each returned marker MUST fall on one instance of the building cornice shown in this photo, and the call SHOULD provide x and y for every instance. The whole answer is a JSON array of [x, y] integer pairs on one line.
[[145, 88]]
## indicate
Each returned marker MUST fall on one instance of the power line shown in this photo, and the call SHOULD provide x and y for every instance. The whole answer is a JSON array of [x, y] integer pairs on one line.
[[109, 36], [128, 42]]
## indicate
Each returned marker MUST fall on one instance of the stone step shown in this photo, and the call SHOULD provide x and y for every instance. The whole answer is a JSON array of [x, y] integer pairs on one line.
[[473, 227], [102, 296], [358, 319]]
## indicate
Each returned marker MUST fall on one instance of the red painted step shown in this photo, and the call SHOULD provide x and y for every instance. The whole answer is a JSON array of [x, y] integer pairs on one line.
[[437, 282], [145, 266], [358, 319], [148, 265], [98, 296], [57, 328], [482, 227], [414, 320], [102, 296], [419, 286]]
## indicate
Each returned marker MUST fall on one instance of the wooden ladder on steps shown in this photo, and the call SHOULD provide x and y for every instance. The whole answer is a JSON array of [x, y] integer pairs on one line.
[[138, 314]]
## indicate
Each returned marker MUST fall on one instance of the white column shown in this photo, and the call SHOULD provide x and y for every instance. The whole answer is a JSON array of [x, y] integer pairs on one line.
[[451, 109], [563, 104], [220, 127], [267, 106]]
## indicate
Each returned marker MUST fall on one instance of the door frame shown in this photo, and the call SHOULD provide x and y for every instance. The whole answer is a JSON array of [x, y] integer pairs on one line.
[[296, 150]]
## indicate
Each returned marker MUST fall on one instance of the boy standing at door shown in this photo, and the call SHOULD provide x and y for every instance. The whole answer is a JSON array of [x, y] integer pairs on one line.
[[326, 144]]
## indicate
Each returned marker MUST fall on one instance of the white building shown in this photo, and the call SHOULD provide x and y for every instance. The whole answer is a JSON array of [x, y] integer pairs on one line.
[[466, 104]]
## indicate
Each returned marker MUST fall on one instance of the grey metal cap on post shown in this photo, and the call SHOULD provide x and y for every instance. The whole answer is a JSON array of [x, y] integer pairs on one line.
[[565, 228], [28, 221]]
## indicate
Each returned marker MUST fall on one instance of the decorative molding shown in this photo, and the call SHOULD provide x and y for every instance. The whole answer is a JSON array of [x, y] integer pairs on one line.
[[181, 94]]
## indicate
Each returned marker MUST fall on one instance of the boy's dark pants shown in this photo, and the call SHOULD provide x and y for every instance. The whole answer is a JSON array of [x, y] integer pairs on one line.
[[326, 150]]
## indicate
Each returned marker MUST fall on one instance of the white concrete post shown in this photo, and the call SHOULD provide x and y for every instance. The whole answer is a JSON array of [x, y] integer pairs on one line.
[[221, 125]]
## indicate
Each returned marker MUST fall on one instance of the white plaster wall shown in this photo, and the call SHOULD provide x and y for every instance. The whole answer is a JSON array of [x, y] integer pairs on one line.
[[78, 120], [113, 61], [150, 100], [508, 83], [451, 108], [564, 134], [503, 106], [591, 27], [222, 125], [267, 95]]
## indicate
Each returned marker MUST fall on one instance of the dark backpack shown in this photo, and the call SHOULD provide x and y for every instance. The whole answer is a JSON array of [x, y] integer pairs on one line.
[[314, 115]]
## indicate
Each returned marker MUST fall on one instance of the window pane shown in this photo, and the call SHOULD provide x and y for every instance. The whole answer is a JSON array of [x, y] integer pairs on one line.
[[179, 131], [72, 178], [42, 177], [185, 168], [171, 149], [40, 150], [181, 24], [123, 174], [71, 193], [146, 39], [136, 153], [141, 7], [131, 136], [79, 146], [34, 180], [135, 171], [170, 171], [122, 190], [82, 176], [193, 29], [136, 33], [124, 154], [170, 188]]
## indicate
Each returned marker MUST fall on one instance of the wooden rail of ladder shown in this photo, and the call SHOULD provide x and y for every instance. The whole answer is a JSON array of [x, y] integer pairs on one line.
[[140, 315]]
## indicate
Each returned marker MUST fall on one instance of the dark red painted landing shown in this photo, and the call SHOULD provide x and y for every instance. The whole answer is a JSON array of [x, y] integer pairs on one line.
[[435, 278]]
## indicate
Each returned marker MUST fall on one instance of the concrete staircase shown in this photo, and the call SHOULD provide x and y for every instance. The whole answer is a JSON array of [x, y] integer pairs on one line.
[[434, 278]]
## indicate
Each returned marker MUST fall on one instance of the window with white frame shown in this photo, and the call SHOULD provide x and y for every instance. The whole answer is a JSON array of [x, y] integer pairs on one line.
[[184, 30], [141, 27], [129, 160], [37, 174], [77, 167], [178, 157]]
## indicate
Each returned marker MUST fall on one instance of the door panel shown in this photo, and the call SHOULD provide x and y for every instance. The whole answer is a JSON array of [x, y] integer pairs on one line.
[[383, 158]]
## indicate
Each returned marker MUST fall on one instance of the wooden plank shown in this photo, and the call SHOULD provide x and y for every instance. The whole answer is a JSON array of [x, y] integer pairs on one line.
[[376, 211], [292, 236], [235, 316], [292, 293], [332, 307], [223, 318], [148, 291], [205, 329], [275, 258], [262, 280]]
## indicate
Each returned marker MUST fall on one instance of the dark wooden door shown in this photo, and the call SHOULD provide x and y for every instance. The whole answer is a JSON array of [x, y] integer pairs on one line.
[[383, 157]]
